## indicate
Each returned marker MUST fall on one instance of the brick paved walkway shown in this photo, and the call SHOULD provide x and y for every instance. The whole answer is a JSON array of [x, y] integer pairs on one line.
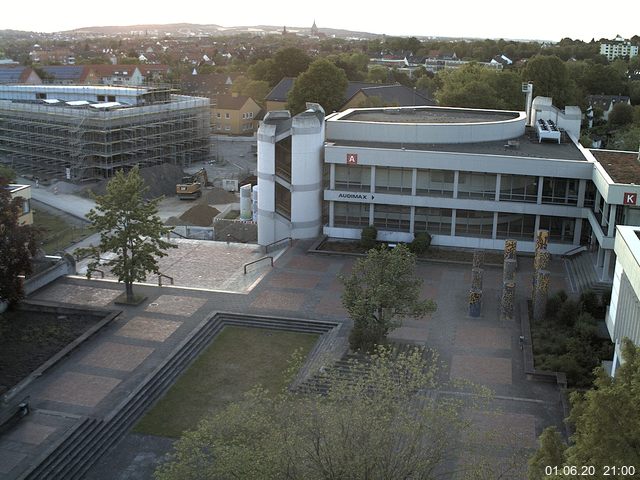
[[99, 374]]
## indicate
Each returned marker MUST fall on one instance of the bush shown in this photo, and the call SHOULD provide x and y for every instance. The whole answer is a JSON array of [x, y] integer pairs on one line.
[[605, 299], [568, 313], [553, 306], [590, 303], [421, 243], [562, 295], [368, 237]]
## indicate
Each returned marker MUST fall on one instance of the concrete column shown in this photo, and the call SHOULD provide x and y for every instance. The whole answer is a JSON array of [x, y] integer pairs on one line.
[[540, 294], [456, 179], [612, 220], [498, 179], [453, 222], [371, 213], [494, 231], [332, 176], [509, 271], [606, 265], [476, 279], [414, 181], [600, 256], [542, 239], [605, 215], [536, 227], [478, 259], [541, 260], [475, 303], [540, 186], [373, 179], [412, 218], [596, 202], [510, 249], [577, 231], [332, 209], [582, 189], [507, 301]]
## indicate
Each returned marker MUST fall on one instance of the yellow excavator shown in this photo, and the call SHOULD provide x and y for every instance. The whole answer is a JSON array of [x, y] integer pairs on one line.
[[191, 186]]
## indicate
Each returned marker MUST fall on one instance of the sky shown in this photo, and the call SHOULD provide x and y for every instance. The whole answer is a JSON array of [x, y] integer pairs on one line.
[[510, 19]]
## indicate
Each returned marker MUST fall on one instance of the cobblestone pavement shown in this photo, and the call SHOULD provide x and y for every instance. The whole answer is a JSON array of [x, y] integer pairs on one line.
[[104, 369]]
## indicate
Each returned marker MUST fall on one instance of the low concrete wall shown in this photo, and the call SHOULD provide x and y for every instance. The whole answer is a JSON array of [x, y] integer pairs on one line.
[[65, 265]]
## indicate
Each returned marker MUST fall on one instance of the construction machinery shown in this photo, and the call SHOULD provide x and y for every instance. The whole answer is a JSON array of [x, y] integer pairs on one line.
[[192, 186]]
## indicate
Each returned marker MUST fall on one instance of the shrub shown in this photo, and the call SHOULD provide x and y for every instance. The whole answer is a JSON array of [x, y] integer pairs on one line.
[[562, 295], [590, 303], [568, 313], [421, 243], [368, 237], [605, 299], [553, 306]]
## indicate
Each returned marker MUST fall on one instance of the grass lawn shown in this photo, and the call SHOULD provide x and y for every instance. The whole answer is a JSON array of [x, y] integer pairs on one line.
[[237, 360], [57, 233]]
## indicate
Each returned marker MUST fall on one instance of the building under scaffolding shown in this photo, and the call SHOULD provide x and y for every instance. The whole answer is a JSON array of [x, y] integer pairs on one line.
[[82, 133]]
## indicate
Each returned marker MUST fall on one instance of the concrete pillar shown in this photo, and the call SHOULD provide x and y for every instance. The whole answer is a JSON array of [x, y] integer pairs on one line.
[[332, 209], [453, 222], [606, 265], [582, 190], [478, 259], [541, 260], [412, 219], [596, 201], [540, 187], [414, 181], [510, 247], [456, 178], [509, 271], [508, 301], [372, 188], [542, 239], [540, 294], [612, 220], [498, 181], [494, 231], [600, 256], [475, 303], [476, 279], [332, 176], [577, 232]]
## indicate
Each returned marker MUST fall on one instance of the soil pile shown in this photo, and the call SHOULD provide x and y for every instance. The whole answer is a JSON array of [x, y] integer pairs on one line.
[[200, 215], [218, 196], [161, 180]]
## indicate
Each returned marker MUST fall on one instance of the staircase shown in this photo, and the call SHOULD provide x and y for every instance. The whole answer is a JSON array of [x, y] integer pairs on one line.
[[84, 444], [583, 276]]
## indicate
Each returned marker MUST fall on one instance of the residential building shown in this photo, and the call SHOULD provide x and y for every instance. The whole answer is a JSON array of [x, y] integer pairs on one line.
[[619, 47], [471, 178], [606, 103], [623, 314], [118, 74], [235, 115], [86, 132], [11, 74], [23, 192], [68, 75]]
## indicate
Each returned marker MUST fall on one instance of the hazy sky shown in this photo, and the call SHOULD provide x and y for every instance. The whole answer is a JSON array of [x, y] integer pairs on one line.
[[537, 19]]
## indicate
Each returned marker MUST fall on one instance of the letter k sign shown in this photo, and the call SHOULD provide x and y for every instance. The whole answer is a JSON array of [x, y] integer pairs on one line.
[[630, 198]]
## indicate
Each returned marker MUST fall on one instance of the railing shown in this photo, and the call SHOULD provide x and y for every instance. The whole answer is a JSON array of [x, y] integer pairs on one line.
[[161, 276], [573, 251], [266, 247], [174, 233], [256, 261], [101, 272]]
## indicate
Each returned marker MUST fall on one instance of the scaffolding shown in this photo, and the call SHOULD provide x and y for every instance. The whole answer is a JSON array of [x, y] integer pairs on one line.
[[83, 143]]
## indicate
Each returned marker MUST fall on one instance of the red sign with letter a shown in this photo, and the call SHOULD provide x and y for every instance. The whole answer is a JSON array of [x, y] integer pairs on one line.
[[630, 198], [352, 158]]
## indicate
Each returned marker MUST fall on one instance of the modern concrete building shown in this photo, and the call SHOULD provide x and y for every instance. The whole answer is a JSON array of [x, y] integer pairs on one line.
[[88, 132], [623, 314], [471, 178]]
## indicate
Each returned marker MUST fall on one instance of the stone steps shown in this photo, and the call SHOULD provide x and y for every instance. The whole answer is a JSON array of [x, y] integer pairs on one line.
[[72, 458], [584, 275]]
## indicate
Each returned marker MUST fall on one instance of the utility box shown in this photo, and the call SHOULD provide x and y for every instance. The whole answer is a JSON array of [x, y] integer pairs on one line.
[[230, 185]]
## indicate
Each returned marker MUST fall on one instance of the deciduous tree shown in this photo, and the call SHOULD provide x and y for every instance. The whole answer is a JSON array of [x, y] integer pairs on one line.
[[382, 289], [129, 228], [322, 83]]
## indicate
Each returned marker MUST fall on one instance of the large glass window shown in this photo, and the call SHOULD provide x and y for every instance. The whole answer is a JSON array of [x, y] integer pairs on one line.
[[392, 217], [519, 188], [436, 183], [516, 225], [350, 214], [474, 223], [283, 201], [436, 221], [353, 177], [562, 191], [560, 228], [590, 194], [477, 185], [283, 158], [389, 179]]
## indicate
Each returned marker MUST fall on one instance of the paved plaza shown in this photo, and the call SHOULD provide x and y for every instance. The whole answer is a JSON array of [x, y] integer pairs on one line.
[[98, 375]]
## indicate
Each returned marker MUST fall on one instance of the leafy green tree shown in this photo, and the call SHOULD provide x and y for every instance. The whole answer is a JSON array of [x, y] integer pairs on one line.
[[17, 246], [368, 425], [621, 114], [626, 139], [256, 89], [290, 62], [130, 228], [378, 74], [550, 79], [322, 83], [382, 289], [549, 454], [7, 173]]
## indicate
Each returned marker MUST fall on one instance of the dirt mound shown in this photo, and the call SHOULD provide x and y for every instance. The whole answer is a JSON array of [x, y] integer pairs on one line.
[[200, 215], [161, 180], [175, 221], [218, 196]]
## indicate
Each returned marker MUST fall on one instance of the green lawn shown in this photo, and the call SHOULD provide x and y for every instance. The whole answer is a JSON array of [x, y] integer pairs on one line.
[[56, 233], [237, 360]]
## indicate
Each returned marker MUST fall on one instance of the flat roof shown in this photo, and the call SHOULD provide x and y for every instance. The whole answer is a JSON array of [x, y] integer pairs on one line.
[[622, 167], [428, 115], [525, 146]]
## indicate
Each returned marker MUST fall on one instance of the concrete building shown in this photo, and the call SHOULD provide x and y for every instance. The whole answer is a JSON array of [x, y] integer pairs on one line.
[[471, 178], [23, 192], [235, 115], [88, 132], [619, 47], [623, 314]]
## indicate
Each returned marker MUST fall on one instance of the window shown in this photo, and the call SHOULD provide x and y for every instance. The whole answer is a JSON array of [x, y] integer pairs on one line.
[[227, 128], [519, 188], [353, 177], [250, 114], [392, 217], [514, 225], [218, 115], [474, 223], [477, 185], [283, 201], [562, 191], [436, 221], [350, 214], [436, 183], [227, 115], [41, 96], [390, 179], [283, 158], [26, 206], [560, 228], [101, 98], [111, 98]]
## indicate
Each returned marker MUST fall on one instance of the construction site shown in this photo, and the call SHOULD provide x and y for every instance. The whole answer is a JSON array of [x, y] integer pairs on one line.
[[86, 133]]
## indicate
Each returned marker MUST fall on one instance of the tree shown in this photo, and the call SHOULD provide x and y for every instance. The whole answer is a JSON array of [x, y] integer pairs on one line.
[[621, 114], [256, 89], [17, 246], [130, 228], [368, 425], [550, 79], [7, 173], [322, 83], [290, 62], [382, 289], [550, 454]]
